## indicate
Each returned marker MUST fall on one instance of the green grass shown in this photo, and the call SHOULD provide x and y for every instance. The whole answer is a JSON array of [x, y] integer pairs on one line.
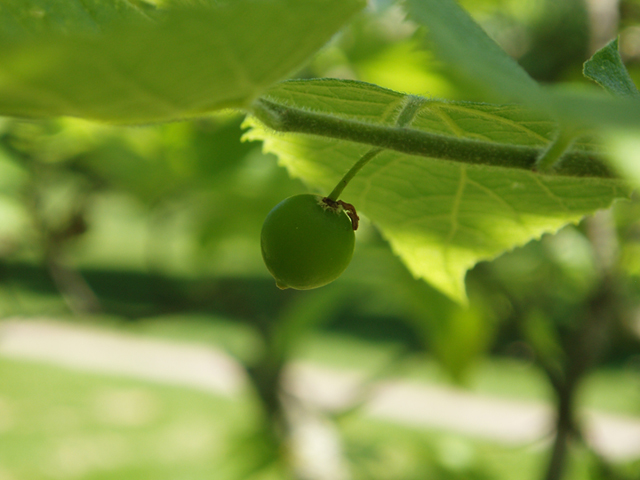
[[58, 423], [385, 451], [614, 391], [62, 424]]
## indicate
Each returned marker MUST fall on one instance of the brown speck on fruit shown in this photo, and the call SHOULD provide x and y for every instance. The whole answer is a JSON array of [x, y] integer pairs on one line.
[[339, 205]]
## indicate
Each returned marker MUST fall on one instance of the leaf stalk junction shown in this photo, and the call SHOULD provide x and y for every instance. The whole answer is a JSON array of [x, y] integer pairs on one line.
[[552, 155]]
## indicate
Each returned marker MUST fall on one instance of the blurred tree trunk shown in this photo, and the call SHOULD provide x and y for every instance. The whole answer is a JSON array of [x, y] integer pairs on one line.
[[589, 341]]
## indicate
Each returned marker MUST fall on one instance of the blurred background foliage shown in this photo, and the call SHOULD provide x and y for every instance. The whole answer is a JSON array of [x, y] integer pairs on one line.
[[155, 230]]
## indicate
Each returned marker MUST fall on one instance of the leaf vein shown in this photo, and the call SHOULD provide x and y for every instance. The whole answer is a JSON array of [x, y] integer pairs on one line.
[[550, 194], [498, 118], [447, 120], [455, 210], [495, 196]]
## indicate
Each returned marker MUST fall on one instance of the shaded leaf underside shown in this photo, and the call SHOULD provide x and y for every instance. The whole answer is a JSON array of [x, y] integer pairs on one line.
[[110, 61]]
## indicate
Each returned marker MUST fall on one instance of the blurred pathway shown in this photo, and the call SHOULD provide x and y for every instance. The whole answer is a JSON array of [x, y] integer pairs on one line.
[[505, 421]]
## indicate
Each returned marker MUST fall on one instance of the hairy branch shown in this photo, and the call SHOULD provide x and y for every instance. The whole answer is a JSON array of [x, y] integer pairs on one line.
[[284, 118]]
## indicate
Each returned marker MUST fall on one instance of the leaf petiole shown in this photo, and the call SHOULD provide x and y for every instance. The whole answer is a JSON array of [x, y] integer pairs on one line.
[[288, 118], [551, 156]]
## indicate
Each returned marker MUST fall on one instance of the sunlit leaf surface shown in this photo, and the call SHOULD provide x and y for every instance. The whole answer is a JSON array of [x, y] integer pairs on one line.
[[441, 217]]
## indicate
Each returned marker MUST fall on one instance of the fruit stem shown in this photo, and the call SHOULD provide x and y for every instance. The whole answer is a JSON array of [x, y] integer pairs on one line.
[[409, 110], [344, 181]]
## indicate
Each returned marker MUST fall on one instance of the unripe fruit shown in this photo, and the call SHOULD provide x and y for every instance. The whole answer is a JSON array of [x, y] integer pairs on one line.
[[307, 242]]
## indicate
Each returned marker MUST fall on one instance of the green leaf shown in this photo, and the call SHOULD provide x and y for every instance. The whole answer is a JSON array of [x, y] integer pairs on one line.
[[607, 70], [112, 61], [472, 56], [440, 216], [480, 65], [591, 108], [32, 17], [365, 113]]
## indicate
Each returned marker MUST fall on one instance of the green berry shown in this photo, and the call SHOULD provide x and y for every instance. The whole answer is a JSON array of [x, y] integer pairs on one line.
[[307, 242]]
